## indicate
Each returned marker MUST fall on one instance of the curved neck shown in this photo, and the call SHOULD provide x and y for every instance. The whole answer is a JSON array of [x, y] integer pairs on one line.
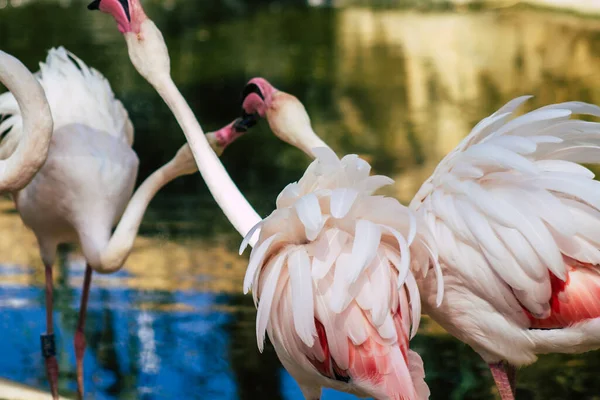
[[31, 152], [235, 206], [113, 256]]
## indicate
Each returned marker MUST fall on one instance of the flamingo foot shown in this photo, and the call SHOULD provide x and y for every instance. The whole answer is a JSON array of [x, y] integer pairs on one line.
[[79, 335], [505, 376]]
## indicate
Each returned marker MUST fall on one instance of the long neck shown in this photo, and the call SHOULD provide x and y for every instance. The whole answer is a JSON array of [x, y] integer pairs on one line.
[[113, 256], [31, 152], [235, 206], [310, 142]]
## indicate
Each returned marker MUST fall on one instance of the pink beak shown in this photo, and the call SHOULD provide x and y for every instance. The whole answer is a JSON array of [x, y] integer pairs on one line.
[[128, 13]]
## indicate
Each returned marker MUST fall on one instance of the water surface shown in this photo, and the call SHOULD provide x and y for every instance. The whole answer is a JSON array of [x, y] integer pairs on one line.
[[400, 87]]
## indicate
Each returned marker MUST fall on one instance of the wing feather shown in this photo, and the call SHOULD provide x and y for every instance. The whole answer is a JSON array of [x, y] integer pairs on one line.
[[512, 200]]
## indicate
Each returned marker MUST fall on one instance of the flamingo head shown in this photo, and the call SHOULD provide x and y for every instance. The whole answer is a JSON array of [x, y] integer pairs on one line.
[[145, 43], [286, 115], [222, 138], [257, 96], [129, 14]]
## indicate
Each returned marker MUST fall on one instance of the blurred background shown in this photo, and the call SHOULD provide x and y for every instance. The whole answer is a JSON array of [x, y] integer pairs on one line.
[[399, 82]]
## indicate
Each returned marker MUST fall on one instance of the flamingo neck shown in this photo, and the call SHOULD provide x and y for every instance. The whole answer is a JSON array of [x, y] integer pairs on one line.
[[31, 152], [116, 249], [235, 206], [312, 141]]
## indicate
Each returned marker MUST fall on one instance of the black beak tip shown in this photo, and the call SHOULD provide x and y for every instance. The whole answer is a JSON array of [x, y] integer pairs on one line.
[[247, 121], [94, 5]]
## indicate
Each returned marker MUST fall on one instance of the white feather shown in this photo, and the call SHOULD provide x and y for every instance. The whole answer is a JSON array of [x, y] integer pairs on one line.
[[309, 213], [415, 304], [326, 251], [366, 241], [402, 262], [342, 200], [249, 236], [272, 272], [256, 260], [302, 296]]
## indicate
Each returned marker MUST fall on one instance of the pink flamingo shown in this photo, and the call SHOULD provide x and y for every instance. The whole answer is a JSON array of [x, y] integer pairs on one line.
[[347, 323], [515, 220], [331, 277], [497, 310]]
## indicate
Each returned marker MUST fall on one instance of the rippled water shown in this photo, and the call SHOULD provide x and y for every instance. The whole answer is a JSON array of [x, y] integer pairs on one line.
[[400, 87]]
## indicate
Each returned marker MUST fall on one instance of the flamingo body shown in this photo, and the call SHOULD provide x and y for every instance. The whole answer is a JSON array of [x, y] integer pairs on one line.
[[81, 192], [515, 219], [88, 178], [331, 276]]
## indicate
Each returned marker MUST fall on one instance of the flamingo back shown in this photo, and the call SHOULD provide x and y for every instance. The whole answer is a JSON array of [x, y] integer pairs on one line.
[[513, 208], [332, 278], [77, 94]]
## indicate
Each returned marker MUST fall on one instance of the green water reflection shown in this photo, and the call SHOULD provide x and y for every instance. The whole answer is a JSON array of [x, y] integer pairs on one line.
[[400, 87]]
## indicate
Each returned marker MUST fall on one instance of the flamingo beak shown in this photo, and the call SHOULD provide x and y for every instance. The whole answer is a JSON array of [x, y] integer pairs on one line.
[[253, 101], [247, 121], [252, 88], [119, 9]]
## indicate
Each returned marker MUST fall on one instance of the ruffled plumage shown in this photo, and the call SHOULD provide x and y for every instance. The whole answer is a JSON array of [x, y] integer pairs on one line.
[[332, 278], [63, 77], [512, 206]]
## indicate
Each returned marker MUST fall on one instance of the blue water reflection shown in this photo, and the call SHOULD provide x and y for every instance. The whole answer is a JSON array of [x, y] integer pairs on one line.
[[134, 351]]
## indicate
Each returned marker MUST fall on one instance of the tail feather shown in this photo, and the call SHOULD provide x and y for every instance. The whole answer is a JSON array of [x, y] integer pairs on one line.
[[417, 373]]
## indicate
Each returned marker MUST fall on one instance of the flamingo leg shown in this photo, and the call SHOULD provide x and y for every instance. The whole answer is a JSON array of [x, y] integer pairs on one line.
[[512, 377], [505, 377], [47, 340], [79, 335]]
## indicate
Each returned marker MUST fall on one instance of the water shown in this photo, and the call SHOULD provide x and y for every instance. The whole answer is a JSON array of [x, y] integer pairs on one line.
[[400, 87]]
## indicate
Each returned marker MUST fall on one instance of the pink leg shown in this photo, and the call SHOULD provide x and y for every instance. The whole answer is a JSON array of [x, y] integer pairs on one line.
[[47, 339], [512, 377], [79, 335], [504, 376]]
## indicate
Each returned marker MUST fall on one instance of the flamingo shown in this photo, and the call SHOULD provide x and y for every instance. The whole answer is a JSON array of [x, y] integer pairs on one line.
[[332, 326], [30, 152], [85, 186], [514, 219], [500, 321], [332, 279]]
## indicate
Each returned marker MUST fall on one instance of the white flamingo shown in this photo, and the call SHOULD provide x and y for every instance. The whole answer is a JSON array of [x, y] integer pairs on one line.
[[515, 221], [85, 187], [31, 150], [371, 356]]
